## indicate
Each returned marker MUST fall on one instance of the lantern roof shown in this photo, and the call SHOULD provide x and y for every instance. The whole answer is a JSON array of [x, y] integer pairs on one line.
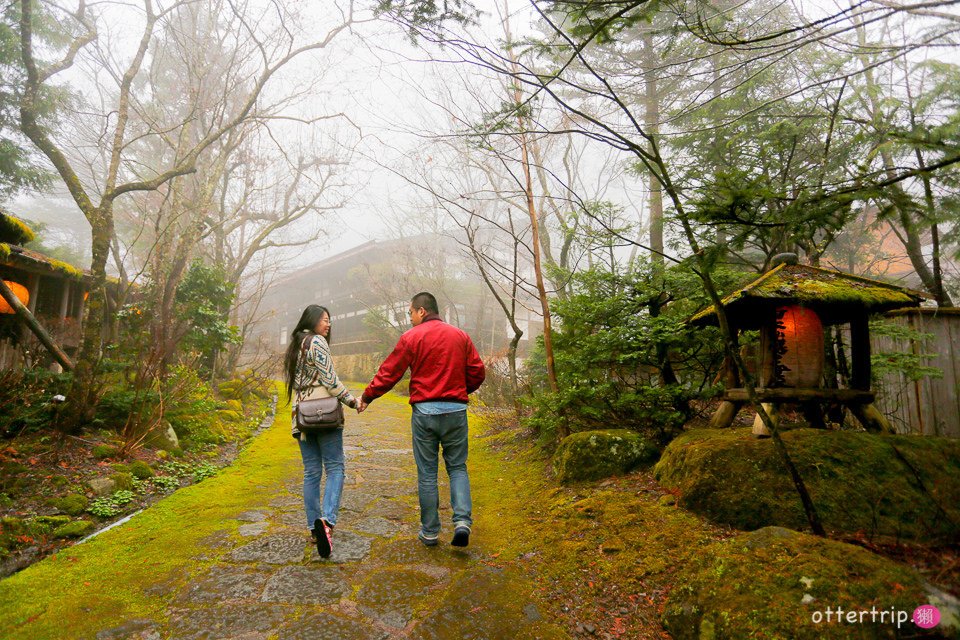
[[36, 262], [836, 296], [13, 229]]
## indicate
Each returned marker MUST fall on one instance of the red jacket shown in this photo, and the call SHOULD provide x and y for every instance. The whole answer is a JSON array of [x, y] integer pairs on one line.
[[444, 364]]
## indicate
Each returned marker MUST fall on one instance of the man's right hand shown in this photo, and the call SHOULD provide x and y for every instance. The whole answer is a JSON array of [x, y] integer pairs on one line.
[[361, 406]]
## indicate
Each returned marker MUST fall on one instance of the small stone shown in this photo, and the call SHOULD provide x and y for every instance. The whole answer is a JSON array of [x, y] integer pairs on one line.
[[304, 585], [612, 546], [807, 582], [531, 612], [276, 549], [590, 628], [253, 529], [101, 486], [807, 599], [252, 516]]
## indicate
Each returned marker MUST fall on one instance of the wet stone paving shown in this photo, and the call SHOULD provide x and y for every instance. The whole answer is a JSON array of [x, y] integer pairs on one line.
[[268, 582]]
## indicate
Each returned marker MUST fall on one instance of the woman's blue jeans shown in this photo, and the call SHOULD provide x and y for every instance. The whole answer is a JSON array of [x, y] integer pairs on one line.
[[319, 451], [430, 433]]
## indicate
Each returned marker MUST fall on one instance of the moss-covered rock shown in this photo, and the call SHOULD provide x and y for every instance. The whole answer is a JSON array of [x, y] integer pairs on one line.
[[229, 415], [45, 524], [590, 455], [73, 504], [74, 529], [141, 470], [778, 583], [880, 486], [105, 451], [234, 405], [122, 481]]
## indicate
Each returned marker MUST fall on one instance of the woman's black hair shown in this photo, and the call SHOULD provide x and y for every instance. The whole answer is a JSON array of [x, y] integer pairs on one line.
[[305, 330]]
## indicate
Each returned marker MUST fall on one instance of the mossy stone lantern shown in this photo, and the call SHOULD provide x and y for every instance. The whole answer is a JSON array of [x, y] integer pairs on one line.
[[790, 305]]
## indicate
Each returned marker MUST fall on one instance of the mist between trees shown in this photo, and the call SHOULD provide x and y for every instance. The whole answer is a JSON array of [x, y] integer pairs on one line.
[[607, 168]]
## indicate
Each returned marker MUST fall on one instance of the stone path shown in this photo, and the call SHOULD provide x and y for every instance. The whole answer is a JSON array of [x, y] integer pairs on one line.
[[380, 581]]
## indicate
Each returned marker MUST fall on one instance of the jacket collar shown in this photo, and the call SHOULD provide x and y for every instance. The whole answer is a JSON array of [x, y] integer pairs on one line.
[[431, 316]]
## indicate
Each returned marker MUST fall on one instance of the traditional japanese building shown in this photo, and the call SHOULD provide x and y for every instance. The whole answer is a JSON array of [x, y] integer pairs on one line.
[[52, 290]]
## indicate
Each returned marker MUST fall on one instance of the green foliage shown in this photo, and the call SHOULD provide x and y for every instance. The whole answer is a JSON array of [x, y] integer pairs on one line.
[[191, 407], [203, 300], [20, 167], [113, 505], [614, 331], [166, 483], [903, 361], [25, 395], [204, 470]]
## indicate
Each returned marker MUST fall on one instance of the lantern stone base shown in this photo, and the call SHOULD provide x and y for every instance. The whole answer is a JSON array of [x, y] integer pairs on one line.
[[859, 402], [760, 430]]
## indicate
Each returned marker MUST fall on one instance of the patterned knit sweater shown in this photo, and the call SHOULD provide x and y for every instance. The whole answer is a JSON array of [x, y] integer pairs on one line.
[[316, 370]]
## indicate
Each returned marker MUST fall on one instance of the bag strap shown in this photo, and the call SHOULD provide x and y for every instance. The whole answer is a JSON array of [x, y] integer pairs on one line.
[[301, 360]]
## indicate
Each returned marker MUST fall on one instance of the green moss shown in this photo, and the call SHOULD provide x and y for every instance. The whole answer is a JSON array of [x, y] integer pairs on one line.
[[73, 504], [590, 455], [75, 529], [884, 487], [4, 251], [102, 451], [14, 231], [65, 268], [102, 583], [234, 405], [141, 470], [754, 586]]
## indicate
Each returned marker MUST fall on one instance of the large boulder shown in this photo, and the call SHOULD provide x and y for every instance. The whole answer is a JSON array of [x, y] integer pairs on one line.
[[164, 437], [880, 486], [778, 583], [589, 455]]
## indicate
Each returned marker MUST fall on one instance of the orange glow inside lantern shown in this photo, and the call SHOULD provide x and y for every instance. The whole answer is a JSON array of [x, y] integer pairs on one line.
[[801, 358], [18, 290]]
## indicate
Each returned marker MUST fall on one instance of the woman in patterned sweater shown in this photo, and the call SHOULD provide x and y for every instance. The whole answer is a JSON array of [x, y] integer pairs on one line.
[[313, 376]]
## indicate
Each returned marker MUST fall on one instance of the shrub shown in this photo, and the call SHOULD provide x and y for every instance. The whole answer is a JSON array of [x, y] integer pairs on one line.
[[615, 334]]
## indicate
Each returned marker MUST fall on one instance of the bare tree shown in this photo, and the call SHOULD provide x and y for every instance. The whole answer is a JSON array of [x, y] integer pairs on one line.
[[265, 44]]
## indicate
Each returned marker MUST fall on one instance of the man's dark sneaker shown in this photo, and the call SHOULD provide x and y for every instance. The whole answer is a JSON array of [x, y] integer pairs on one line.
[[324, 542], [461, 536], [427, 540]]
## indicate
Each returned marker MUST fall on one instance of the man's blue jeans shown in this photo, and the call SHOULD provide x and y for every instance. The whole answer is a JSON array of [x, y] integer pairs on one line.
[[431, 433], [319, 451]]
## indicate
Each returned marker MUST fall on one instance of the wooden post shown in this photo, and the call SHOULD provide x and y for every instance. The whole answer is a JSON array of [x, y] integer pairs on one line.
[[860, 352], [35, 326], [65, 299]]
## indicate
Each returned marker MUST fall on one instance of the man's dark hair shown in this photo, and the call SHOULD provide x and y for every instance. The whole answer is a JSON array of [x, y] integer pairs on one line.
[[425, 300]]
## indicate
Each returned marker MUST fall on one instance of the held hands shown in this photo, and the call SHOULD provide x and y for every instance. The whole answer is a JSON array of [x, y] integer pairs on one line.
[[361, 405]]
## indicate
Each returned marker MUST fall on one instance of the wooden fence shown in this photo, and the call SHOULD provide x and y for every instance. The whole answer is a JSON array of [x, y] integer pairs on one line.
[[930, 406]]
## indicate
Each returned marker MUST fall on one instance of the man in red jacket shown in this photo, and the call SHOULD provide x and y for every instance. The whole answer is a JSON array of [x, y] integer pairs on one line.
[[444, 368]]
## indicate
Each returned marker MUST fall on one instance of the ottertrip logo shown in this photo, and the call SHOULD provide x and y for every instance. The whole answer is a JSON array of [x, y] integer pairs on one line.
[[925, 616]]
